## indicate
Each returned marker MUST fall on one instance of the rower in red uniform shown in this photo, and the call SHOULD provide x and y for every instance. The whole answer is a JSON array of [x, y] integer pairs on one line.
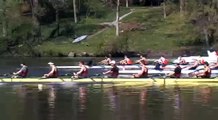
[[182, 61], [107, 60], [114, 71], [201, 61], [22, 73], [53, 72], [142, 58], [206, 73], [144, 71], [126, 61], [83, 72]]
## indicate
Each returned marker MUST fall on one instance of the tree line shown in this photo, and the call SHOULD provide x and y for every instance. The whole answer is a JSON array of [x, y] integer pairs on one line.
[[22, 21]]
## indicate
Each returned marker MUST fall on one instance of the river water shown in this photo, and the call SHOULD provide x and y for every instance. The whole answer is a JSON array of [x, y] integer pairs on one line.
[[90, 102]]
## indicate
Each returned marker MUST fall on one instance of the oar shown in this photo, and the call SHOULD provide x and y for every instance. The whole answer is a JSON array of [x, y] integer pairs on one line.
[[98, 76]]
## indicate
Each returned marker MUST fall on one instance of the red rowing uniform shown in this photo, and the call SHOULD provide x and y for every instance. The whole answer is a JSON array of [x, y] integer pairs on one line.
[[24, 72], [129, 61], [84, 72], [54, 74], [114, 72]]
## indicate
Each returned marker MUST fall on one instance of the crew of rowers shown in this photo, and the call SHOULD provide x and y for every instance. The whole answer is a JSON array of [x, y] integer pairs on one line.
[[114, 71]]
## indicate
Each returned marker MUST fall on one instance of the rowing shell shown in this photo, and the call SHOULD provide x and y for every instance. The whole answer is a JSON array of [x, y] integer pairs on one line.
[[130, 81]]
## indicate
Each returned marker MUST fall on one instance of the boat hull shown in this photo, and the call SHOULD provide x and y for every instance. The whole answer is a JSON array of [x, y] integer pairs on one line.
[[130, 81]]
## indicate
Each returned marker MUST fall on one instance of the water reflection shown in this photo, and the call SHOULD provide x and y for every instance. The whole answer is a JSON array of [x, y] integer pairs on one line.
[[51, 102], [113, 98], [203, 95], [55, 102], [177, 102], [142, 102], [83, 98]]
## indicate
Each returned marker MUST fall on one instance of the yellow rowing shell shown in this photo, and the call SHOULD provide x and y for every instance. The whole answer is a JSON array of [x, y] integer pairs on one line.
[[130, 81]]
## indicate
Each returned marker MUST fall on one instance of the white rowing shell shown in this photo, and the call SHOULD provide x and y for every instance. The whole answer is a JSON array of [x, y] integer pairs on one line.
[[80, 38]]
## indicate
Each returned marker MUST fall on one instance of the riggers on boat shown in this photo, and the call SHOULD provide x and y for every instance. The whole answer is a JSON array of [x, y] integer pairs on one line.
[[129, 81]]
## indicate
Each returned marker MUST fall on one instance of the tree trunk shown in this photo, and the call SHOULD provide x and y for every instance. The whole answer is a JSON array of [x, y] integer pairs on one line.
[[34, 4], [164, 9], [181, 6], [4, 21], [127, 3], [117, 17], [74, 11], [206, 37], [57, 21]]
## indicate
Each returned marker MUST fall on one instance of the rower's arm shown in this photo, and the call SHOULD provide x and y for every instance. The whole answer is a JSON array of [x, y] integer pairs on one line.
[[108, 72], [52, 71], [81, 70], [18, 72]]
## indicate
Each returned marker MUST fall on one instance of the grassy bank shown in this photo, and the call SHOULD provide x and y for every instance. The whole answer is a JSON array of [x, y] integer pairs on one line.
[[142, 31]]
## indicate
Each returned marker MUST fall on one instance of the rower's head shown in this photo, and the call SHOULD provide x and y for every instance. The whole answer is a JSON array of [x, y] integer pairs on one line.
[[142, 62], [81, 63], [206, 64], [177, 65], [51, 63], [109, 55], [113, 63], [22, 64]]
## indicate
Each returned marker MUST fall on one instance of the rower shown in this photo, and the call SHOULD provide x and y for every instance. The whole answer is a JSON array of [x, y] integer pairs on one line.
[[176, 73], [144, 71], [83, 72], [53, 72], [114, 71], [201, 61], [161, 63], [107, 60], [214, 66], [22, 73], [194, 66], [206, 73], [182, 61], [142, 58], [126, 61]]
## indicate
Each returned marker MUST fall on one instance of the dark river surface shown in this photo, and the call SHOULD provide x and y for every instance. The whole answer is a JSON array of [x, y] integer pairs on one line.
[[90, 102]]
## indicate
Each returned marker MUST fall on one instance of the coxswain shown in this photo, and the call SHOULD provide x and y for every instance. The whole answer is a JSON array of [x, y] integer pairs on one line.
[[176, 73], [53, 72], [22, 73], [142, 58], [126, 61], [107, 60], [114, 71], [206, 73], [83, 72], [144, 71]]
